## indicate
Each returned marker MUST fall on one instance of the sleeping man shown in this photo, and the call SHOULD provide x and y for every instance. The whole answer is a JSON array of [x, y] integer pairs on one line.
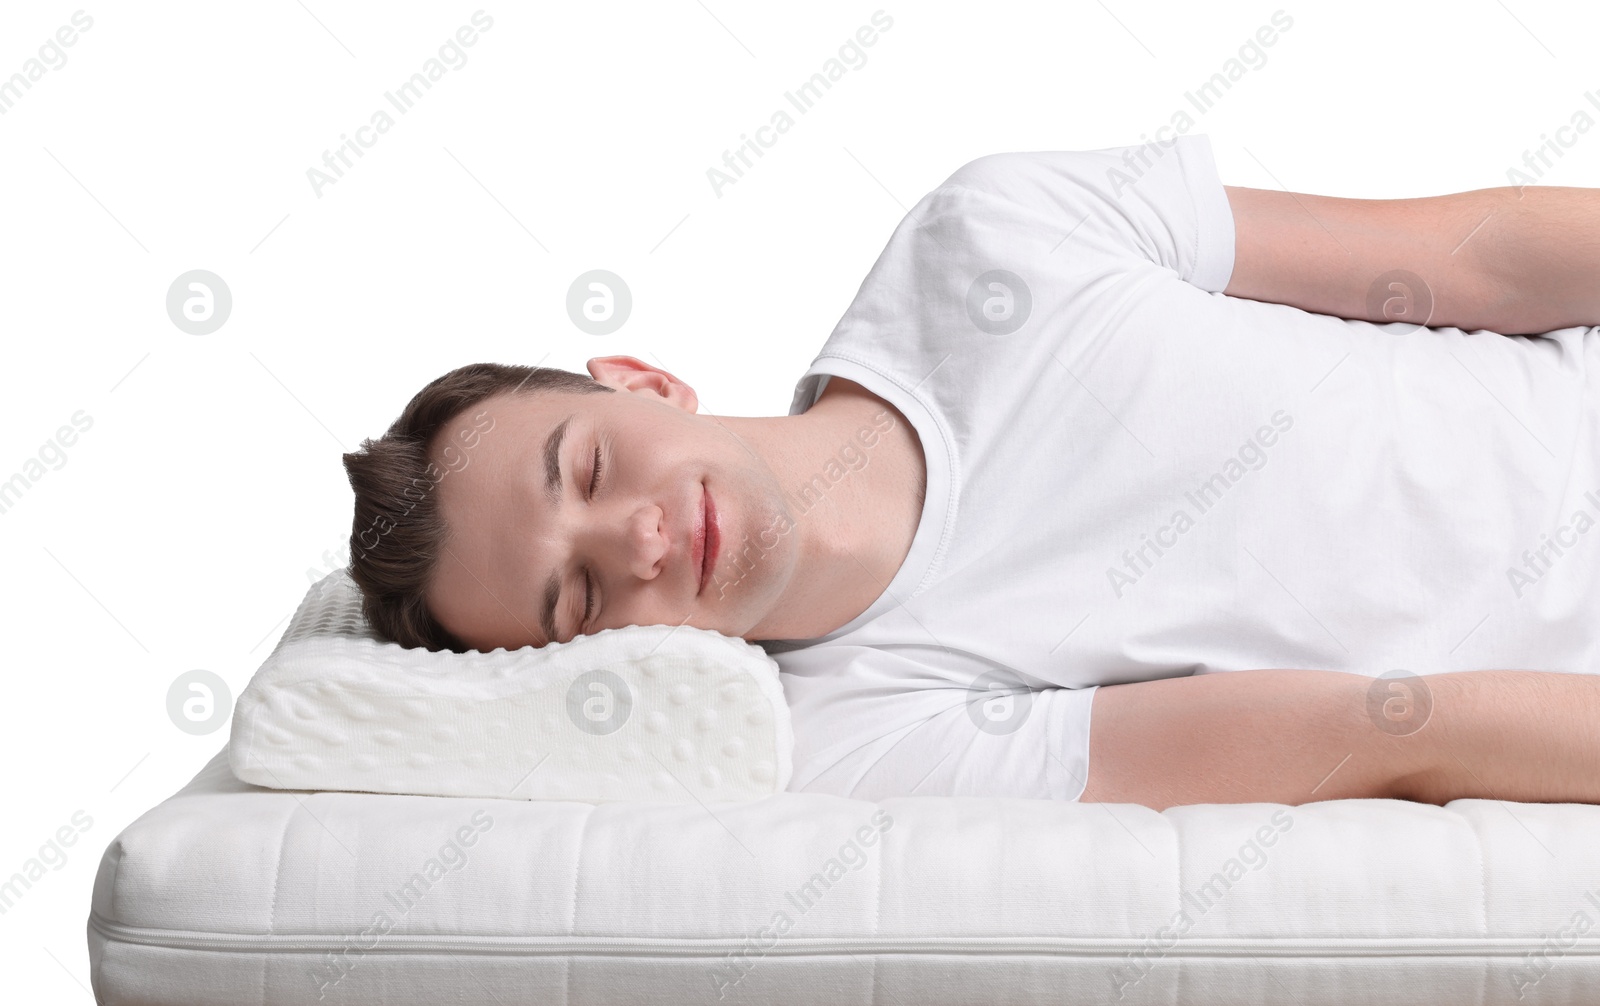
[[1095, 429]]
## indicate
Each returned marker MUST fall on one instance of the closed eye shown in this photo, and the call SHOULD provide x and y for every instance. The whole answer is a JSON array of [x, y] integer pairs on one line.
[[588, 582]]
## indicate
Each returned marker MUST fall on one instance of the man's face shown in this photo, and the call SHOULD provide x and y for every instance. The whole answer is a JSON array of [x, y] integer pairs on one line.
[[633, 540]]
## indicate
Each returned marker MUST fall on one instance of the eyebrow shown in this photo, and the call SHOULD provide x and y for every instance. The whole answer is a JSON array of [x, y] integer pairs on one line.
[[553, 487]]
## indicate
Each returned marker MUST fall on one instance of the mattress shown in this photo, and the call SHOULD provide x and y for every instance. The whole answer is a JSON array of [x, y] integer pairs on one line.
[[230, 893]]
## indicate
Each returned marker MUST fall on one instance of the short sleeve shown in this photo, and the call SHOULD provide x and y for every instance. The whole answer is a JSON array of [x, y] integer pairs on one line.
[[873, 727], [1160, 202]]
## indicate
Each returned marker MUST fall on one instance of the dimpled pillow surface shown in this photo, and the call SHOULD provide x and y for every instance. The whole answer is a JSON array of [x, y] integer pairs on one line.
[[648, 712]]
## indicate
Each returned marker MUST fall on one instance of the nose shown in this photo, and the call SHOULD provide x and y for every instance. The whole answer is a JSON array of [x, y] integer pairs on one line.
[[642, 547]]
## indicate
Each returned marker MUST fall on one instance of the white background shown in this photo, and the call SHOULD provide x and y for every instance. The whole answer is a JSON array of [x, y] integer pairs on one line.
[[184, 526]]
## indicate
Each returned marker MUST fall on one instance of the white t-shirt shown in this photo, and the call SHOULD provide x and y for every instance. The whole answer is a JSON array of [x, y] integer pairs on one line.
[[1133, 476]]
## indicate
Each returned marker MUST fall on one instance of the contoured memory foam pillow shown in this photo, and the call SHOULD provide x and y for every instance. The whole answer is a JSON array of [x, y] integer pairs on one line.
[[647, 712]]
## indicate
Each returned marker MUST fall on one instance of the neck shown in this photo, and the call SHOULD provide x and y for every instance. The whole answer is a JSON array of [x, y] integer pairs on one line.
[[847, 543]]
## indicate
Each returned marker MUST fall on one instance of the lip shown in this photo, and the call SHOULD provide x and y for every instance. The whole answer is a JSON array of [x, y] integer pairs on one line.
[[697, 543], [707, 538]]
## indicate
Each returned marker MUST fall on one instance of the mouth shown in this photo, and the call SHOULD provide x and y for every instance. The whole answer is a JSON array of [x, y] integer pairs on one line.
[[707, 539]]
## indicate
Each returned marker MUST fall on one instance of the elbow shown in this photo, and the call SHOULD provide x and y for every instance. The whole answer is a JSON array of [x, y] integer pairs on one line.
[[1418, 787]]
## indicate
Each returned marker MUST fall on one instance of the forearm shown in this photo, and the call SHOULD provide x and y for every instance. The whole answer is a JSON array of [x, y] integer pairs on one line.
[[1525, 736], [1271, 735], [1515, 261], [1298, 736], [1539, 249]]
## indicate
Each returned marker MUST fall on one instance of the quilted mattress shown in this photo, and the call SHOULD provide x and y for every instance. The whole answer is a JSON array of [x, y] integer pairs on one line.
[[227, 893]]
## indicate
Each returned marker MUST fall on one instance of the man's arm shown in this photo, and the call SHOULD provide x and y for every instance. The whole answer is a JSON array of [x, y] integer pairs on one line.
[[1513, 260], [1298, 736]]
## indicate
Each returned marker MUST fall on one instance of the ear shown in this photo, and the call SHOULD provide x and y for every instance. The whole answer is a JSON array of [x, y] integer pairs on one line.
[[626, 373]]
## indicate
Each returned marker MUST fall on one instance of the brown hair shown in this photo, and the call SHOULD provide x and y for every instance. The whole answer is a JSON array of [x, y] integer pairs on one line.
[[398, 533]]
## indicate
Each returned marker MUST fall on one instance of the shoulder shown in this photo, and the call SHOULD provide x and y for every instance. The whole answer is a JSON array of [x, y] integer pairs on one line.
[[988, 170]]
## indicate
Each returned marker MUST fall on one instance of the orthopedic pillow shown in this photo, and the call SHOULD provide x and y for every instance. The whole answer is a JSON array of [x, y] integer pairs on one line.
[[648, 712]]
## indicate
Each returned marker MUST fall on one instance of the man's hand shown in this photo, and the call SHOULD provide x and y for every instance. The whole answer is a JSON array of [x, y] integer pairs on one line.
[[1513, 260], [1298, 736]]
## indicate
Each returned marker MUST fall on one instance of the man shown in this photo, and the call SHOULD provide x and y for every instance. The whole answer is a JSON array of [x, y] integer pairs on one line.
[[1094, 428]]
